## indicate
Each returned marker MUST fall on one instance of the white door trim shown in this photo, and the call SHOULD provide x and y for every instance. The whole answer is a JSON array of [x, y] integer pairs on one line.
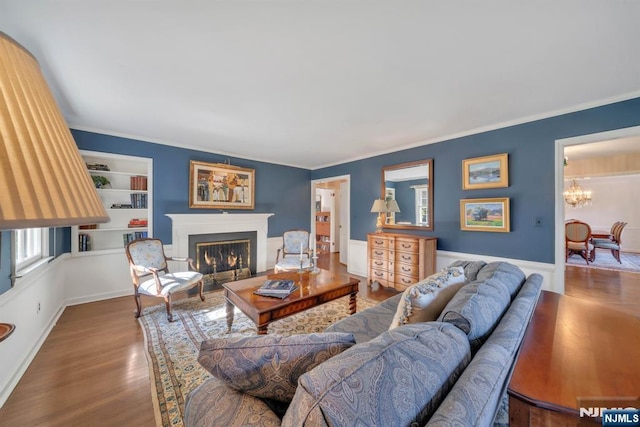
[[559, 184]]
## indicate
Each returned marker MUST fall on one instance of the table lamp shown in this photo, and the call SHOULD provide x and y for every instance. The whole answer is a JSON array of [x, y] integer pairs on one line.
[[379, 206], [392, 207]]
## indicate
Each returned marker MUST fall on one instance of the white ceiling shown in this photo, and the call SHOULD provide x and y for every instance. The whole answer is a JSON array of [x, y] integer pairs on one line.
[[614, 147], [312, 83]]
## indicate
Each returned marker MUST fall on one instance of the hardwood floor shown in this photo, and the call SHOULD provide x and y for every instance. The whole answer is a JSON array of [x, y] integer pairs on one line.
[[617, 289], [92, 369]]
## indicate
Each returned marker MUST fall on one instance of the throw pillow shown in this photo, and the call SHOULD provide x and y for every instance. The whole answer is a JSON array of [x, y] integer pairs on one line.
[[399, 378], [424, 301], [268, 366], [476, 309]]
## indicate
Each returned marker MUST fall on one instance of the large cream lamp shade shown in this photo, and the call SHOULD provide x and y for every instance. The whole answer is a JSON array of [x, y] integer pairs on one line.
[[43, 180]]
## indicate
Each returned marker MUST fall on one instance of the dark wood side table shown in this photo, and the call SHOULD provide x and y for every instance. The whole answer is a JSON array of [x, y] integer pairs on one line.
[[6, 329], [575, 353]]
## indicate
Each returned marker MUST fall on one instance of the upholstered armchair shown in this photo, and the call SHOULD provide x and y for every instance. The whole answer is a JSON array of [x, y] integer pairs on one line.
[[578, 240], [295, 248], [612, 241], [151, 276]]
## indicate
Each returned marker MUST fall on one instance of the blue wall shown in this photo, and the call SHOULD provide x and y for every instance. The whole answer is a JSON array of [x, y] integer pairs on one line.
[[283, 190], [531, 181], [5, 259], [286, 190]]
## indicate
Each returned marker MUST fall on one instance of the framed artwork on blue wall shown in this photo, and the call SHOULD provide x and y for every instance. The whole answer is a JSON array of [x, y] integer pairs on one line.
[[485, 214], [485, 172], [221, 186]]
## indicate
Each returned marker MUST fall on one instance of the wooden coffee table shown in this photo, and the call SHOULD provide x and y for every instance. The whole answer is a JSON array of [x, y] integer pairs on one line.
[[314, 290]]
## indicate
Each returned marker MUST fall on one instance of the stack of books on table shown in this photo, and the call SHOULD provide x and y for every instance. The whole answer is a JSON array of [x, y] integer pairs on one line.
[[276, 288]]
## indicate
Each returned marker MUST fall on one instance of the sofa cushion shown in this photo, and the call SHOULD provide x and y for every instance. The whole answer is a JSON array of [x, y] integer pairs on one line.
[[424, 301], [476, 309], [471, 268], [213, 403], [507, 274], [398, 378], [268, 366], [476, 397], [369, 323]]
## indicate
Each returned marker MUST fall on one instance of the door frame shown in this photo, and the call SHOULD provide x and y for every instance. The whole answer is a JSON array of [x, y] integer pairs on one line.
[[559, 189], [314, 184]]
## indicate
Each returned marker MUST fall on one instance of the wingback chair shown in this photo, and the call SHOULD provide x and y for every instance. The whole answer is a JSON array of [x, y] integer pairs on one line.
[[151, 276], [612, 241], [295, 248], [578, 240]]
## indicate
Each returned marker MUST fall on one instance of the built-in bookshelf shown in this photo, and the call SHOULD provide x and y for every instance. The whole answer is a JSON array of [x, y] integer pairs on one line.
[[323, 232], [124, 185]]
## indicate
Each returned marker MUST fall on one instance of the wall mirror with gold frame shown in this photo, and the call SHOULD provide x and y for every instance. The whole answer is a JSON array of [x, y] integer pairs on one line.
[[410, 185]]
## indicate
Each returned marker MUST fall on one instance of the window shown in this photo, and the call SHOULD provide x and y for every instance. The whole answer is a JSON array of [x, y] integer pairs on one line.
[[422, 203], [31, 246]]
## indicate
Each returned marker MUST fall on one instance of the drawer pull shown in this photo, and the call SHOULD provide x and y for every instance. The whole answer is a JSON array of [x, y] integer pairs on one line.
[[406, 281], [406, 269], [379, 242], [378, 263], [405, 245], [378, 252], [378, 274], [406, 257]]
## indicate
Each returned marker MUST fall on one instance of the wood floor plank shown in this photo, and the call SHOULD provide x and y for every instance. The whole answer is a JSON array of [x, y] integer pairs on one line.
[[92, 369]]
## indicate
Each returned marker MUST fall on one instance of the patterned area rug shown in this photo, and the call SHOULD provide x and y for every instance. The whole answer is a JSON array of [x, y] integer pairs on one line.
[[604, 260], [172, 348]]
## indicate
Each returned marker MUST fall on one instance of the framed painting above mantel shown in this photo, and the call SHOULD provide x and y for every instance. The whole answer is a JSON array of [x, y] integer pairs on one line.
[[221, 186]]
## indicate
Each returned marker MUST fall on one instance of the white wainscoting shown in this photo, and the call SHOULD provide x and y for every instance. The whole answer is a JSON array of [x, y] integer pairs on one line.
[[43, 288], [547, 271], [358, 258], [97, 277], [358, 263]]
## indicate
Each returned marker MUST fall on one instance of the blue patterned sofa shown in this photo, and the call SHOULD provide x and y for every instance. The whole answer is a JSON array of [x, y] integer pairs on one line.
[[450, 372]]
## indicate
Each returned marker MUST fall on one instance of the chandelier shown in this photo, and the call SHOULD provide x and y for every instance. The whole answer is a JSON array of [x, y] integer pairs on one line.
[[576, 196]]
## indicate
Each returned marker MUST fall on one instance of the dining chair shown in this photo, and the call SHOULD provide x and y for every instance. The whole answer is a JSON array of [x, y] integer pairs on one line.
[[612, 241], [578, 240], [151, 276]]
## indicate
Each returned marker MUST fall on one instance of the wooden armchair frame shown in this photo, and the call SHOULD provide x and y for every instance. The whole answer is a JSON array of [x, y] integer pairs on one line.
[[153, 278]]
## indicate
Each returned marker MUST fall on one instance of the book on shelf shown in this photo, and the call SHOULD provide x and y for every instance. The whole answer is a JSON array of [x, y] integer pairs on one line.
[[276, 288], [130, 237], [138, 183], [84, 242], [121, 206], [97, 167], [138, 222], [139, 200]]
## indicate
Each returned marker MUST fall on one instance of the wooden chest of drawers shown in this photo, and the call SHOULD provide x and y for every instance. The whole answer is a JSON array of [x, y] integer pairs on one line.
[[400, 260]]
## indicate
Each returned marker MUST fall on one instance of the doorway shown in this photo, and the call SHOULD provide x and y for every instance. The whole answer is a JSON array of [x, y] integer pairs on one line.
[[620, 142], [330, 199]]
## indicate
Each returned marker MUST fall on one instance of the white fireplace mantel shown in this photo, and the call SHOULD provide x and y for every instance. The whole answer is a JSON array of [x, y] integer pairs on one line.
[[185, 225]]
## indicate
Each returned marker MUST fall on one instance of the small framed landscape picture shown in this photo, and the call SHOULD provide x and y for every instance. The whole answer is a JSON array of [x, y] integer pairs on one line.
[[485, 214], [485, 172], [221, 186]]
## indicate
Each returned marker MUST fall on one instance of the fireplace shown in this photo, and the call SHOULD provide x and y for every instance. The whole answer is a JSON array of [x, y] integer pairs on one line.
[[183, 226], [223, 257]]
